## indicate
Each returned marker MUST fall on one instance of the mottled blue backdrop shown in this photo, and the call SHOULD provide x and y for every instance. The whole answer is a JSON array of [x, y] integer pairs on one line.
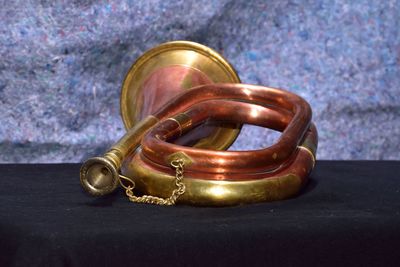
[[62, 64]]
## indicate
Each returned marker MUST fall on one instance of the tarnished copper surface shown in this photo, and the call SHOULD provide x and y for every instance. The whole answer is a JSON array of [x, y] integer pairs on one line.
[[156, 149], [267, 117], [164, 84]]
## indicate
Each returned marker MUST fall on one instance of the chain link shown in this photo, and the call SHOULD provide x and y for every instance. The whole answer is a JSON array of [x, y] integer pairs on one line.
[[178, 164]]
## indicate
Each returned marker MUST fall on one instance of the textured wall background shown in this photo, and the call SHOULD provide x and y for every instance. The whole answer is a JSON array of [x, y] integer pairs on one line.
[[62, 64]]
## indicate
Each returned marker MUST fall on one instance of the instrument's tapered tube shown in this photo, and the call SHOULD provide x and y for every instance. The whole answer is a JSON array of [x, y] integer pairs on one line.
[[100, 175]]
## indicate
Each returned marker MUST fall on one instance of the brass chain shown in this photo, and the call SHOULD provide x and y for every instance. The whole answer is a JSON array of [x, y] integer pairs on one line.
[[178, 164]]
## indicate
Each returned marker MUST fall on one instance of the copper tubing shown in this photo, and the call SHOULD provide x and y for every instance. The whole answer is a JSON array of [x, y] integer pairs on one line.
[[156, 149], [207, 187], [300, 162]]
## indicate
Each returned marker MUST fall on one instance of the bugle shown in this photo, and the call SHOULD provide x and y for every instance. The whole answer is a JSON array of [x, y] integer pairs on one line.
[[183, 105]]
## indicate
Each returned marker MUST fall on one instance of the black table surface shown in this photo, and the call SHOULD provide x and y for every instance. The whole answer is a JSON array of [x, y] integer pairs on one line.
[[349, 215]]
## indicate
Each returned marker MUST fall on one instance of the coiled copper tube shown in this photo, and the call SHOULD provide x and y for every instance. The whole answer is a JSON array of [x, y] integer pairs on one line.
[[231, 177], [156, 149]]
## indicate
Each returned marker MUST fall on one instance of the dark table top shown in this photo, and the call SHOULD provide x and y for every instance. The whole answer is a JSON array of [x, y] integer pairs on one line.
[[349, 214]]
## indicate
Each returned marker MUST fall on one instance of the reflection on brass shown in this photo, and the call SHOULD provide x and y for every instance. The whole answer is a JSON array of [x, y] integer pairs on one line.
[[216, 193]]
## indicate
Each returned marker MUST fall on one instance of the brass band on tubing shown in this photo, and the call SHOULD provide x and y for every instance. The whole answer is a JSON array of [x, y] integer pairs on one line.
[[217, 193], [182, 120]]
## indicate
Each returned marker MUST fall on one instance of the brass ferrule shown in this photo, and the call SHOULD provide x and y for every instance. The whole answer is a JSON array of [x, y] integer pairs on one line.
[[184, 122]]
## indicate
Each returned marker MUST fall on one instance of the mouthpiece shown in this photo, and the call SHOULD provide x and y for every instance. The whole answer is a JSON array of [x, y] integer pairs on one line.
[[100, 175]]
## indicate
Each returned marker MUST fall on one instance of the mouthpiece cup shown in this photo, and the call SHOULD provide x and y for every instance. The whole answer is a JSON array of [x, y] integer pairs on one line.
[[99, 176]]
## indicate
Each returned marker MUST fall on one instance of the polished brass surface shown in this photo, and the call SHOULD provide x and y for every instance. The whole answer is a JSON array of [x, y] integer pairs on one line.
[[202, 65], [215, 193], [206, 192], [98, 175]]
